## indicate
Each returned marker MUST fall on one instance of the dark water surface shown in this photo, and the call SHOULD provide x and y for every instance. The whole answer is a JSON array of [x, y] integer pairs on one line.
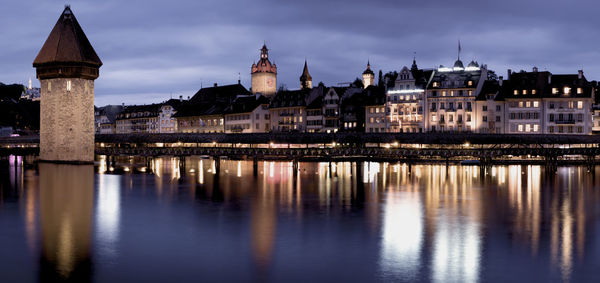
[[353, 222]]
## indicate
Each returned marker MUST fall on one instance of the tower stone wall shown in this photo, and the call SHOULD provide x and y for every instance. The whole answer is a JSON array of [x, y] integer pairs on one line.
[[67, 120], [265, 83]]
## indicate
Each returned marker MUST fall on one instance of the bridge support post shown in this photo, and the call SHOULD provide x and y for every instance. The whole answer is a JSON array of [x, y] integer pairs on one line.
[[551, 163], [590, 162], [295, 166], [255, 166], [217, 160]]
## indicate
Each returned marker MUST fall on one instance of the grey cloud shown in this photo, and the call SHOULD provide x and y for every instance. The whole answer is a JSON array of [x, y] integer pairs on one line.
[[152, 47]]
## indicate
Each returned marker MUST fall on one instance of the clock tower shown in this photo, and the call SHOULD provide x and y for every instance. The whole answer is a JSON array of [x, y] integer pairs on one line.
[[264, 74]]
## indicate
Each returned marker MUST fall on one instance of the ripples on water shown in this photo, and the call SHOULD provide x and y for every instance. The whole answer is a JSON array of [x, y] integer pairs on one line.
[[172, 220]]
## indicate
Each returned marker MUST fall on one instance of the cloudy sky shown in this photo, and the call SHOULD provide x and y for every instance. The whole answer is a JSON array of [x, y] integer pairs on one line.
[[153, 50]]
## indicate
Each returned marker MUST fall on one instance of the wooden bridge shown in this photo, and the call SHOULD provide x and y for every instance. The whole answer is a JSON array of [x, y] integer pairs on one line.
[[550, 150]]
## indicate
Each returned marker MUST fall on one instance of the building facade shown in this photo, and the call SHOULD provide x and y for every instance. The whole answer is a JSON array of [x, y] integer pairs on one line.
[[248, 114], [450, 97], [540, 102]]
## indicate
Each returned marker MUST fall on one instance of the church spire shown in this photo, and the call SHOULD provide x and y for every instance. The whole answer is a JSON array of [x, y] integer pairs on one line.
[[305, 78]]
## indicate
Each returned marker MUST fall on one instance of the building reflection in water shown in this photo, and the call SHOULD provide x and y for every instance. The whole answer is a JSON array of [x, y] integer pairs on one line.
[[107, 215], [66, 207], [430, 221]]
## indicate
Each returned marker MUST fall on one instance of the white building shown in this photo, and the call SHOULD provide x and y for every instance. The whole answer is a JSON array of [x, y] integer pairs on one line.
[[248, 114], [405, 101], [540, 102], [451, 97]]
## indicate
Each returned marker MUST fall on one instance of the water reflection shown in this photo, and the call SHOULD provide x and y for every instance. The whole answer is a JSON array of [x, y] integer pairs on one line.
[[66, 207], [375, 221]]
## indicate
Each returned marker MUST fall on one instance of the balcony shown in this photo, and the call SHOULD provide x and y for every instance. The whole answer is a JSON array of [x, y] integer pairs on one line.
[[565, 122]]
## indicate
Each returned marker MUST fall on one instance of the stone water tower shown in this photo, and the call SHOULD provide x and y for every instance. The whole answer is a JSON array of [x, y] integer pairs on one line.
[[67, 66]]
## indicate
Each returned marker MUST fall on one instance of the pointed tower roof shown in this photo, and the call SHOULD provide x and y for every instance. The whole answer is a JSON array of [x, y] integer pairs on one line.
[[368, 70], [305, 75], [67, 43]]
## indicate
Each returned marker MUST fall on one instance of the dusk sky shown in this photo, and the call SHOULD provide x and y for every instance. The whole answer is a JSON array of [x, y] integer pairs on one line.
[[152, 49]]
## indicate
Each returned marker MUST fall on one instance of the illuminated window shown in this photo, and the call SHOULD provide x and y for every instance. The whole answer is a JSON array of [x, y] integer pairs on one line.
[[520, 127], [436, 84], [470, 83], [470, 92], [533, 91], [528, 104], [520, 104], [68, 85], [451, 93], [579, 90], [554, 90], [524, 91], [515, 92], [535, 128], [444, 93], [527, 128], [566, 90], [433, 118], [536, 104], [49, 86], [579, 104]]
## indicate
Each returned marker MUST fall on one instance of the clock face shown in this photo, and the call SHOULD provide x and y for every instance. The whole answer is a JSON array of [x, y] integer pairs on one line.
[[270, 82]]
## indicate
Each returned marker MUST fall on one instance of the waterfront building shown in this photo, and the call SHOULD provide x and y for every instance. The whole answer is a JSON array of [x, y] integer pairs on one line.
[[264, 74], [596, 119], [166, 120], [331, 109], [138, 119], [67, 66], [248, 114], [489, 109], [541, 102], [288, 110], [105, 118], [376, 115], [450, 97], [200, 118], [305, 78], [405, 100], [368, 77], [352, 110], [314, 115]]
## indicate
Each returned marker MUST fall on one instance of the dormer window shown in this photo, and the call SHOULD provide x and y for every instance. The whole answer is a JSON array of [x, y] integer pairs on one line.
[[470, 83], [515, 92], [436, 84], [533, 91], [554, 90], [524, 92], [579, 90]]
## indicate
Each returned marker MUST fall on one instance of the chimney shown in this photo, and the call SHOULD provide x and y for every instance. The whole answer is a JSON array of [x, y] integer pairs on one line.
[[508, 76], [180, 98], [535, 69], [215, 85], [500, 79], [580, 74]]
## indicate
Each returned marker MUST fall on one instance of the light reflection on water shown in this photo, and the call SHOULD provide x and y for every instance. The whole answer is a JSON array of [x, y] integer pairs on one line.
[[190, 219]]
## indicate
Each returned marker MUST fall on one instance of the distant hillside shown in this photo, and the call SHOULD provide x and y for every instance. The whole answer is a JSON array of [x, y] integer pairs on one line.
[[12, 91]]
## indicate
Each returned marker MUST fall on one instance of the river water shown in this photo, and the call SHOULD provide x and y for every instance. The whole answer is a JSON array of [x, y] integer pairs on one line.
[[354, 222]]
